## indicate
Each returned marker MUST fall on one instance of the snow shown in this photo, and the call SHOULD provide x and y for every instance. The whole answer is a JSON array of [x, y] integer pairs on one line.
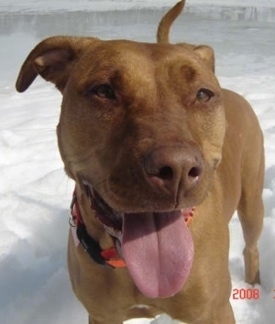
[[35, 192]]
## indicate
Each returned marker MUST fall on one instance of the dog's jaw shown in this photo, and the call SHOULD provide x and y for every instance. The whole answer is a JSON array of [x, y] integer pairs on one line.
[[156, 246]]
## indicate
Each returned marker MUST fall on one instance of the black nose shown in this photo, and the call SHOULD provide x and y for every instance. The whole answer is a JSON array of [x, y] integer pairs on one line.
[[174, 168]]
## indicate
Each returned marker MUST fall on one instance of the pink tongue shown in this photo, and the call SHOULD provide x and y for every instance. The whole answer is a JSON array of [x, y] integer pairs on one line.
[[158, 251]]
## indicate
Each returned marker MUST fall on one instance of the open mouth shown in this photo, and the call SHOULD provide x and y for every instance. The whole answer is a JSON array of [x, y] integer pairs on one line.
[[157, 247], [110, 219]]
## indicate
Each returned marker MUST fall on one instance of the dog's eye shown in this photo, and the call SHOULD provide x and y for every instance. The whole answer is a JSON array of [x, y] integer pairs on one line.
[[204, 95], [103, 91]]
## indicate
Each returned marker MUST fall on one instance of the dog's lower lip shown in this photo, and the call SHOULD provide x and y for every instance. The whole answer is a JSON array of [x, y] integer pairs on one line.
[[111, 219], [107, 215]]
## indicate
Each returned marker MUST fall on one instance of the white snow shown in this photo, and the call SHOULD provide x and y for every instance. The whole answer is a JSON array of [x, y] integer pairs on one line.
[[35, 192]]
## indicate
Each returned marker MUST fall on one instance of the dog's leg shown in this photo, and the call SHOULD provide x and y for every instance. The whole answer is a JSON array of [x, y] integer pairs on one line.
[[220, 315], [251, 213], [224, 315]]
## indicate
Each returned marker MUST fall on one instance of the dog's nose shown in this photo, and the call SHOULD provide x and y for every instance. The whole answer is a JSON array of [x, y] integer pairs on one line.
[[170, 169]]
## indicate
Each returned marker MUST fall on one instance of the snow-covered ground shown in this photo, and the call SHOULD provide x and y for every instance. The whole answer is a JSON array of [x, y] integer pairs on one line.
[[34, 191]]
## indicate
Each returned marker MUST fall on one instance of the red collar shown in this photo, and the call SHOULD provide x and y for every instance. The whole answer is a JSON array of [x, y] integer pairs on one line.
[[108, 257]]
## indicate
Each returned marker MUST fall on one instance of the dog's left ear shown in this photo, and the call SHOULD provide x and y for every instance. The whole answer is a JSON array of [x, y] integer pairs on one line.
[[206, 53], [53, 59]]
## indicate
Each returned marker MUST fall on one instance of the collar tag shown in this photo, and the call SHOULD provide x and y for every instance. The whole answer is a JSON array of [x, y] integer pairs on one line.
[[112, 258]]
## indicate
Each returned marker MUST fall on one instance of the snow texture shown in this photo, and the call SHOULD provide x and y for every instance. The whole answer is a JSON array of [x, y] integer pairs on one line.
[[35, 192]]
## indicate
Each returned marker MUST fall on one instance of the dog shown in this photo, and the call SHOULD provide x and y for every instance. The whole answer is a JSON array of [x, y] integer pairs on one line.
[[161, 157]]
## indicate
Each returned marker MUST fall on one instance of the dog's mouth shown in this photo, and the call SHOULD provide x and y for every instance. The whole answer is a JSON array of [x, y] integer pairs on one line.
[[110, 219], [157, 247]]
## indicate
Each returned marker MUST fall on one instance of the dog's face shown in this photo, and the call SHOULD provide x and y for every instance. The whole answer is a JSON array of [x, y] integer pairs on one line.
[[141, 129], [142, 124]]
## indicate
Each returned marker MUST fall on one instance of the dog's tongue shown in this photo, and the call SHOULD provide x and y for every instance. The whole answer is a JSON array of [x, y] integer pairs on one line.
[[158, 251]]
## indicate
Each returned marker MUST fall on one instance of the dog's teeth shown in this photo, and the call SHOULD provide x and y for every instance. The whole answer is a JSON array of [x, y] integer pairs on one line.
[[113, 232]]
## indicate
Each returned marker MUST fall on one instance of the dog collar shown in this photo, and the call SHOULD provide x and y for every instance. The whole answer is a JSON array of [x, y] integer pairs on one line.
[[108, 257]]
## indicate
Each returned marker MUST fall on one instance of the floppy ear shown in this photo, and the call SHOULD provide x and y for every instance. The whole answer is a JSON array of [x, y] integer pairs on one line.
[[206, 53], [53, 59]]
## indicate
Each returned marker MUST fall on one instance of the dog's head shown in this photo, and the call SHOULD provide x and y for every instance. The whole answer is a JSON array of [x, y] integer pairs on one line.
[[142, 127], [143, 124]]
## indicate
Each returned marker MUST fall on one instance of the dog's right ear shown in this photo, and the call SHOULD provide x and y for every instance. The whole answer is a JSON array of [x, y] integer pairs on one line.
[[53, 59], [206, 53]]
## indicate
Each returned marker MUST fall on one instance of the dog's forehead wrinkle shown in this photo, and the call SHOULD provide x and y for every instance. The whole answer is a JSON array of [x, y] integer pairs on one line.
[[119, 53], [133, 56], [115, 65]]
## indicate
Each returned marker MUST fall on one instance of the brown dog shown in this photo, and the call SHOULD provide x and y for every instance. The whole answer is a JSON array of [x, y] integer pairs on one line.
[[152, 141]]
